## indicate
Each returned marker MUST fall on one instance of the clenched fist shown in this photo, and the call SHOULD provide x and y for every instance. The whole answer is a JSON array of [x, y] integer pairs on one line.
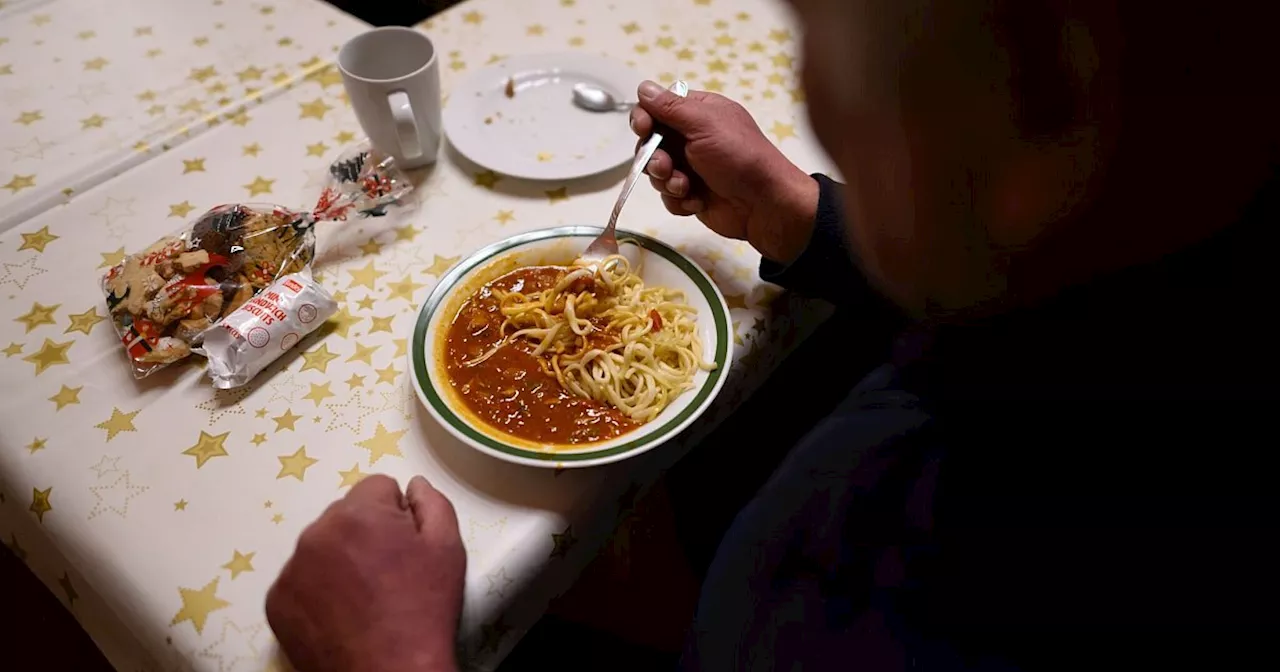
[[375, 584], [720, 167]]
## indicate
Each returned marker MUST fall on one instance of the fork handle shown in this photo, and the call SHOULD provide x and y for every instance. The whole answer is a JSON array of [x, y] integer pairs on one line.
[[637, 166]]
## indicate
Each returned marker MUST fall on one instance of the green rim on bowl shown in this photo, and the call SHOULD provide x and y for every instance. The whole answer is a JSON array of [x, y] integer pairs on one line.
[[420, 360]]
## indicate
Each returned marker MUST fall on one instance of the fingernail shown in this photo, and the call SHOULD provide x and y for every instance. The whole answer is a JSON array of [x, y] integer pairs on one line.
[[649, 167], [649, 90], [631, 121]]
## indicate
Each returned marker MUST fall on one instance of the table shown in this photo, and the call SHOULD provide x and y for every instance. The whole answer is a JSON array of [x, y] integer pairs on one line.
[[161, 511], [90, 89]]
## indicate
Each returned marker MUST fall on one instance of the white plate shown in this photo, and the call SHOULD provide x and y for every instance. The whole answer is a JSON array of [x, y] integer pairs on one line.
[[539, 133], [661, 266]]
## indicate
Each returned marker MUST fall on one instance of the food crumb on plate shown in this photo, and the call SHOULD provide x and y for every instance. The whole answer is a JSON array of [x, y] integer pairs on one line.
[[510, 91]]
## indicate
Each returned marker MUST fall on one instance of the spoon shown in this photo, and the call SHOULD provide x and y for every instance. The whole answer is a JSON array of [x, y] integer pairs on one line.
[[595, 99], [607, 243]]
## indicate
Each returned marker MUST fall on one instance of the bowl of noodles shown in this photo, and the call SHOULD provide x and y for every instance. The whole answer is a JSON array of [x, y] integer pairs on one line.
[[526, 353]]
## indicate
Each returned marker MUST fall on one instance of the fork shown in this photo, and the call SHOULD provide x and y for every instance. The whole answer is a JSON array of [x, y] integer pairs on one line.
[[607, 242]]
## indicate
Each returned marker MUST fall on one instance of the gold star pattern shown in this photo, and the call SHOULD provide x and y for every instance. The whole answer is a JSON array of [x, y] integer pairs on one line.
[[259, 185], [13, 349], [381, 324], [249, 73], [504, 216], [366, 277], [487, 179], [208, 447], [576, 41], [40, 504], [782, 60], [665, 42], [351, 476], [404, 289], [251, 150], [181, 209], [39, 314], [180, 505], [95, 121], [6, 69], [475, 18], [200, 41], [141, 30], [556, 195], [797, 95], [319, 393], [258, 439], [718, 65], [342, 321], [387, 375], [122, 490], [714, 84], [780, 36], [66, 397], [783, 131], [369, 248], [364, 353], [36, 444], [84, 322], [355, 381], [295, 465], [407, 233], [631, 28], [20, 182], [441, 264], [286, 421], [382, 443], [318, 149], [402, 346], [366, 303], [777, 79], [40, 19], [118, 423], [278, 518], [96, 64], [536, 30], [50, 354], [201, 74], [544, 157], [68, 589], [17, 550], [198, 604], [315, 109], [28, 118], [192, 166], [685, 54], [239, 563], [563, 542], [318, 359], [735, 301], [724, 41], [344, 137], [155, 110]]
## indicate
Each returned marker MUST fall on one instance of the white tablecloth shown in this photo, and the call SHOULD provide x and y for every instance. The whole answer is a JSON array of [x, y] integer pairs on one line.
[[161, 511]]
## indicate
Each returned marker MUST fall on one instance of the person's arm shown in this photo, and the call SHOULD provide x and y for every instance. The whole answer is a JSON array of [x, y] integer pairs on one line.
[[825, 269]]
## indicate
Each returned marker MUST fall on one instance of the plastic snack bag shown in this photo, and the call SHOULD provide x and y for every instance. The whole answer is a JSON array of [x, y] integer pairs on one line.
[[164, 298]]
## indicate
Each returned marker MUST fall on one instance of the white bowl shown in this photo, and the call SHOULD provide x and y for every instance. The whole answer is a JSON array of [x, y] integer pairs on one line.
[[660, 265]]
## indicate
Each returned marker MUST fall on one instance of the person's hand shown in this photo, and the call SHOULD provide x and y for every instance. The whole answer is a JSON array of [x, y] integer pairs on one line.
[[724, 170], [375, 583]]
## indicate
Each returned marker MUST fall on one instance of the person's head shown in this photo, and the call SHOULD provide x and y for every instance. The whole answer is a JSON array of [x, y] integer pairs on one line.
[[996, 150]]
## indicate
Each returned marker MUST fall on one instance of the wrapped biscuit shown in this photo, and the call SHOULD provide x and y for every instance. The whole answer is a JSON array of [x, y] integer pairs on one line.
[[164, 298], [257, 333]]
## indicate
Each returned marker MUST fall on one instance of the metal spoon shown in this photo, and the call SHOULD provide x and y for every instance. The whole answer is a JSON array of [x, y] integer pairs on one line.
[[607, 243], [595, 99]]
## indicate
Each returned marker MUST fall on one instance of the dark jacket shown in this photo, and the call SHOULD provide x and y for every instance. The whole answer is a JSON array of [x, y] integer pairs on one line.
[[1090, 483]]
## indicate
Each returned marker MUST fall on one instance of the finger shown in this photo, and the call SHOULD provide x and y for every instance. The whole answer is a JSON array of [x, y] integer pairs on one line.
[[684, 114], [641, 122], [431, 509], [660, 166], [674, 206], [377, 489], [677, 186]]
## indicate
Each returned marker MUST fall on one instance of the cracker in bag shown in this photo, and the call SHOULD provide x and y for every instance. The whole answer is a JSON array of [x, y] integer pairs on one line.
[[165, 297]]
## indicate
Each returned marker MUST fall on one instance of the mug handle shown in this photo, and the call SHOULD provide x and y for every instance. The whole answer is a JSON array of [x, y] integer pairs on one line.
[[406, 125]]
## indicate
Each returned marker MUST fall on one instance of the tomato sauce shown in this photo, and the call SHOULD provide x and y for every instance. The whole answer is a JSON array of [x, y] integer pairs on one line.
[[510, 391]]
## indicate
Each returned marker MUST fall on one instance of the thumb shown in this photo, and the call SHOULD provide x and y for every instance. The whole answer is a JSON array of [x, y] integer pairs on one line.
[[680, 114], [430, 508]]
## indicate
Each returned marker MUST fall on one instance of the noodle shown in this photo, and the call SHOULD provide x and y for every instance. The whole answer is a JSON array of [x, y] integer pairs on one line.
[[607, 337]]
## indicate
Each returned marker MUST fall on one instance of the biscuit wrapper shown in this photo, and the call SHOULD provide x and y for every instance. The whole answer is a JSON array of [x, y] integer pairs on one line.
[[164, 298], [257, 333]]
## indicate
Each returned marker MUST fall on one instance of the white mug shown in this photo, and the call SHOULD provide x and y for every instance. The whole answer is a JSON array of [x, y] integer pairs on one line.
[[392, 77]]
